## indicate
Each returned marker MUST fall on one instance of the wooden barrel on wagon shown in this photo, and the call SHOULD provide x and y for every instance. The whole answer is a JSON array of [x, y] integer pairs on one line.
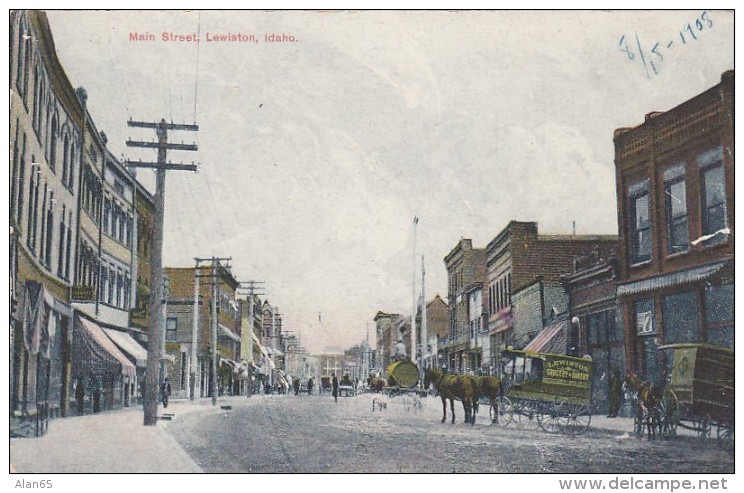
[[403, 374]]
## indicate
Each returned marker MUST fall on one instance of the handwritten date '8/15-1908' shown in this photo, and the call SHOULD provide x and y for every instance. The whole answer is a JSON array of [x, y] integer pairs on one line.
[[652, 59]]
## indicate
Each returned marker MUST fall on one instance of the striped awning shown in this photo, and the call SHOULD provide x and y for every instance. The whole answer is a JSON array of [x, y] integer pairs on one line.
[[552, 339], [98, 340], [127, 344], [668, 280], [260, 346], [229, 333]]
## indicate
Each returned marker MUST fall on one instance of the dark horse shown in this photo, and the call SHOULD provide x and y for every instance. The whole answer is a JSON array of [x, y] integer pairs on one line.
[[376, 384], [491, 388], [454, 387], [646, 398]]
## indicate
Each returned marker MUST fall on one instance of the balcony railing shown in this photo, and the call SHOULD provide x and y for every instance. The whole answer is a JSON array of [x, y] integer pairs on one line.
[[82, 293]]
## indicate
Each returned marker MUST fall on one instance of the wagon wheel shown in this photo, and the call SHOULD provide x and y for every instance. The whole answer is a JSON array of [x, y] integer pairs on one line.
[[577, 419], [527, 416], [703, 427], [669, 413], [725, 432], [504, 415], [554, 419]]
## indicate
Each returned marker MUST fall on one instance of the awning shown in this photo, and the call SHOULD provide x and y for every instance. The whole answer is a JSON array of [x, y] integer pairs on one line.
[[127, 344], [240, 369], [102, 340], [266, 351], [667, 280], [258, 343], [229, 333], [552, 339], [274, 351]]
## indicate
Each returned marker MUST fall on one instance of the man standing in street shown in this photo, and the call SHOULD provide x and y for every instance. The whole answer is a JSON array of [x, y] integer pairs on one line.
[[335, 387], [615, 391], [80, 396]]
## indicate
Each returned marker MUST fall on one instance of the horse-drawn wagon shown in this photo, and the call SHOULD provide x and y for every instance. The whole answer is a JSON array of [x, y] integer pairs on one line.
[[549, 391], [700, 391], [403, 376]]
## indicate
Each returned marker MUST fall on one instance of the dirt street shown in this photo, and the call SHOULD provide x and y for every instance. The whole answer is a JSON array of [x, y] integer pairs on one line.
[[312, 434]]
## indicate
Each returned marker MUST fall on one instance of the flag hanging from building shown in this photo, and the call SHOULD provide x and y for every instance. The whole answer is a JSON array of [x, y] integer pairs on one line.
[[37, 326]]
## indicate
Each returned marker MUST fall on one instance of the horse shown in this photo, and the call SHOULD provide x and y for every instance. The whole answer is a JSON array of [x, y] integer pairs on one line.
[[646, 397], [376, 384], [454, 387], [491, 388]]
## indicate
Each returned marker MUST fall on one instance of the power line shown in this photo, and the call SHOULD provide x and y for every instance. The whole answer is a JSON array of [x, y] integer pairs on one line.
[[196, 72]]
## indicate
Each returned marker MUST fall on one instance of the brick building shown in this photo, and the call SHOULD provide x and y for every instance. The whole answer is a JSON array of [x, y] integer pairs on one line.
[[675, 190], [437, 329], [523, 291], [179, 325], [386, 325], [466, 268], [591, 287]]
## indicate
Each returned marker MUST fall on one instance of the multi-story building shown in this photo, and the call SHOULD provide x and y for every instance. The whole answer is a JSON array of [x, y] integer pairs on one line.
[[437, 327], [386, 325], [144, 217], [675, 192], [271, 336], [102, 293], [46, 121], [251, 349], [179, 330], [597, 324], [523, 291], [73, 258], [466, 269]]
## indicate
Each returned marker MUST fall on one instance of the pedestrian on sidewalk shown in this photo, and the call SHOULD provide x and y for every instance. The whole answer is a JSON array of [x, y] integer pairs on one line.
[[615, 391], [335, 387], [310, 384], [79, 396], [165, 391]]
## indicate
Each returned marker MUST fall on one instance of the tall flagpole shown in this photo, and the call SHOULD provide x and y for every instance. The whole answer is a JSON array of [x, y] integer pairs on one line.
[[424, 338], [413, 292]]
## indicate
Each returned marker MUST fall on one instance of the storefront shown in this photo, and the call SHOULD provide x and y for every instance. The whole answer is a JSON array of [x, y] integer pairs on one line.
[[137, 355], [100, 371]]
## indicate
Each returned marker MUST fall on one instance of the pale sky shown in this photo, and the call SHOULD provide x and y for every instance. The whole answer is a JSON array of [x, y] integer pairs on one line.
[[315, 155]]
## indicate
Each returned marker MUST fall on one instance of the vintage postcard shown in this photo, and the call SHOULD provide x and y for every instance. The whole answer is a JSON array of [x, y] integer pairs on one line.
[[373, 241]]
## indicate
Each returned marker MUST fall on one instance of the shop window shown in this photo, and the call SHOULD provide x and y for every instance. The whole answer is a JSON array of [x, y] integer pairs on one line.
[[675, 201], [171, 329], [681, 314], [644, 317], [601, 328], [713, 199], [719, 315], [640, 222]]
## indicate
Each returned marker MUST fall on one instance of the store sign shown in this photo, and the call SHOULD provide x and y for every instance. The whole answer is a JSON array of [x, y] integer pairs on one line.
[[645, 323]]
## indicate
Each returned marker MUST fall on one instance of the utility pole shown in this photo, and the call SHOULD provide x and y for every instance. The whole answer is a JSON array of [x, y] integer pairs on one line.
[[154, 348], [194, 336], [272, 345], [215, 264], [214, 315], [246, 347], [164, 320], [423, 322], [365, 360]]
